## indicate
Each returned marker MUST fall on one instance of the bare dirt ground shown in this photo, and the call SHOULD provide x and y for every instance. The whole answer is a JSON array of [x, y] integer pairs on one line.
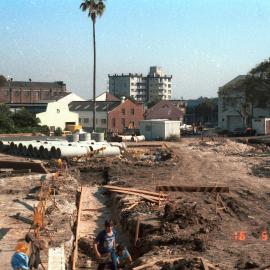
[[237, 237], [18, 196]]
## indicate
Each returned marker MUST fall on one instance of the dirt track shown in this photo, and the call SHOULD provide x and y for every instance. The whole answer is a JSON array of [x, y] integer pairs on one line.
[[212, 163]]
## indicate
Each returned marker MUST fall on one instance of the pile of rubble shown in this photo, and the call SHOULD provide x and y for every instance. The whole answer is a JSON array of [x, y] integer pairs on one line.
[[262, 169], [226, 147]]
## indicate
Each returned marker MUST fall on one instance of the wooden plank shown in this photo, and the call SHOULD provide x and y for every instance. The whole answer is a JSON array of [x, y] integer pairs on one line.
[[133, 205], [140, 191], [204, 263], [164, 260], [56, 258], [146, 197], [218, 189], [137, 231], [144, 145], [144, 265], [75, 252]]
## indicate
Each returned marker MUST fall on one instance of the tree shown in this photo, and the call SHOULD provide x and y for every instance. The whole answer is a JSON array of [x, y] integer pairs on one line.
[[58, 132], [207, 110], [5, 110], [24, 118], [153, 102], [3, 80], [6, 123], [95, 8], [44, 130]]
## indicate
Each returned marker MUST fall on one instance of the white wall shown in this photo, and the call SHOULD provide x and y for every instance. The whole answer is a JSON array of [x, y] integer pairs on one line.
[[159, 129], [57, 114]]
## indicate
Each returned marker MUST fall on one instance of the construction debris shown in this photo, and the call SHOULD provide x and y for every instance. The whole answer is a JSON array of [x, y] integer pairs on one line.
[[192, 189], [147, 195]]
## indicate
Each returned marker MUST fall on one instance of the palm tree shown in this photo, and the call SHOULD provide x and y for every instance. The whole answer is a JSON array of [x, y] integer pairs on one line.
[[95, 8]]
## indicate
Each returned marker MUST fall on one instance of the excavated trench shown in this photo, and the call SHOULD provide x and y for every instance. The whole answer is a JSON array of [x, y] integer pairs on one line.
[[99, 177]]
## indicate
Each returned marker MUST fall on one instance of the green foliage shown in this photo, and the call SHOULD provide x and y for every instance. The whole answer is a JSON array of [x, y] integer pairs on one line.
[[44, 130], [24, 118], [6, 124], [153, 102], [206, 108], [3, 80], [261, 67], [95, 8], [19, 122], [58, 132], [5, 110]]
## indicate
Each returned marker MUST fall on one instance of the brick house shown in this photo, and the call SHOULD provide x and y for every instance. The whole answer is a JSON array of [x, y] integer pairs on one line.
[[31, 92], [111, 116], [127, 115], [167, 109]]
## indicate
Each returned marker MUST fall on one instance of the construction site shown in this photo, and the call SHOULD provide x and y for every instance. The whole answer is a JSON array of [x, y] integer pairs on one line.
[[201, 203]]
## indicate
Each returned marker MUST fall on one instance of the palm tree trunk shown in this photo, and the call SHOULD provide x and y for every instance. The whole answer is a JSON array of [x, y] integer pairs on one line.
[[94, 77]]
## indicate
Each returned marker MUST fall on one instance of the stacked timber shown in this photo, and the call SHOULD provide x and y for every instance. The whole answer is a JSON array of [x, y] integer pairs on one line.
[[145, 194]]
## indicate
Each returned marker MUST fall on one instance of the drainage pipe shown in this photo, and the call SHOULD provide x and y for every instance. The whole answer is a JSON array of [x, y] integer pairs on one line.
[[44, 151], [108, 151], [4, 146], [72, 151]]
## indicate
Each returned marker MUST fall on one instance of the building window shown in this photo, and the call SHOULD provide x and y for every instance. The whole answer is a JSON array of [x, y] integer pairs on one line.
[[132, 111], [27, 93], [123, 111], [80, 120], [123, 122], [86, 120], [113, 122], [7, 93], [17, 93], [96, 121], [103, 121], [169, 85], [57, 111]]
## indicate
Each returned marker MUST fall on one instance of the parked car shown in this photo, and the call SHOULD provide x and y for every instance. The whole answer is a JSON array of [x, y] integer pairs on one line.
[[242, 132]]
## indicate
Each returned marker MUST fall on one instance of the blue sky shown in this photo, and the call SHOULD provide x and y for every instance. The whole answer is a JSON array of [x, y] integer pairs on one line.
[[202, 43]]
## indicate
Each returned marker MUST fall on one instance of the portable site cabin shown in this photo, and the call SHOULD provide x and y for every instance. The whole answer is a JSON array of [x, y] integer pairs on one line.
[[261, 125], [159, 129]]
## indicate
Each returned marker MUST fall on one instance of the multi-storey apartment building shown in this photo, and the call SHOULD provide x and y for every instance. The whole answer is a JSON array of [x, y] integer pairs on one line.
[[31, 92], [154, 86]]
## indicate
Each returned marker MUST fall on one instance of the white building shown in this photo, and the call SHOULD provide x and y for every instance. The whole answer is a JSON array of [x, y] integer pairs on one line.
[[85, 111], [159, 129], [57, 113], [234, 108], [154, 86]]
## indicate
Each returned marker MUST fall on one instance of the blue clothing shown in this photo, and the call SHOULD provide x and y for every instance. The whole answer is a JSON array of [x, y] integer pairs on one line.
[[122, 260], [20, 261], [106, 242]]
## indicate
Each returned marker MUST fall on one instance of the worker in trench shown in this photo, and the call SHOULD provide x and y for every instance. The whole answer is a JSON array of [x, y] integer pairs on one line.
[[104, 247], [20, 259], [122, 259]]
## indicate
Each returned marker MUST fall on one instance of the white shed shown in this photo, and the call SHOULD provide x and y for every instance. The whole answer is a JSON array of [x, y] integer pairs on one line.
[[261, 125], [159, 129]]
